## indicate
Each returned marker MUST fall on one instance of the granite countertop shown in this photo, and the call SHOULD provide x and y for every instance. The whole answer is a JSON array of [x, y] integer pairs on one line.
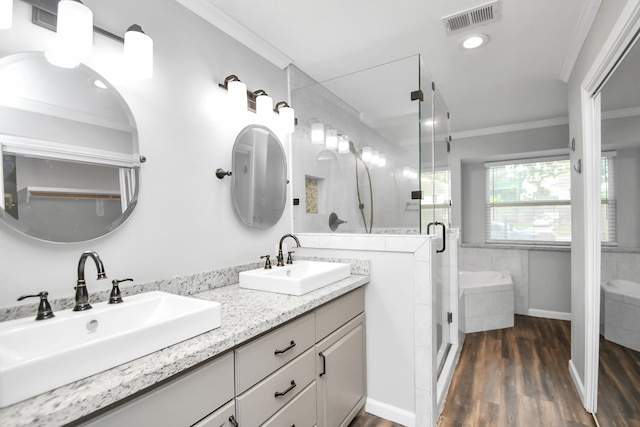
[[245, 315]]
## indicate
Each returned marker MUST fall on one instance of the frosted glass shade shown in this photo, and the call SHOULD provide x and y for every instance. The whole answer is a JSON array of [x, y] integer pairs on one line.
[[382, 161], [74, 33], [366, 154], [375, 157], [288, 119], [6, 14], [237, 95], [264, 105], [138, 52], [343, 144], [331, 139], [317, 133]]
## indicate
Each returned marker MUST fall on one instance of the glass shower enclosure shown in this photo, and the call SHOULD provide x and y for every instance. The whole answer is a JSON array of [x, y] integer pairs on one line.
[[370, 156]]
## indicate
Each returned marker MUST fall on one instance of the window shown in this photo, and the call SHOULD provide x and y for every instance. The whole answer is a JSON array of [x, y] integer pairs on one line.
[[438, 207], [530, 200]]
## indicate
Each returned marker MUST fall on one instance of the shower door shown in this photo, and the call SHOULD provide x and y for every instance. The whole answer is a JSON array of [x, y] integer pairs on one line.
[[435, 211]]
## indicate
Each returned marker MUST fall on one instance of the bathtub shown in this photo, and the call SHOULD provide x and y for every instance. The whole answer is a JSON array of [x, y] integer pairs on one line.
[[620, 301], [486, 300]]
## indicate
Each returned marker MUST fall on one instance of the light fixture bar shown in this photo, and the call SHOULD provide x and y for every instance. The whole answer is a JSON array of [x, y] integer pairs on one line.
[[44, 13]]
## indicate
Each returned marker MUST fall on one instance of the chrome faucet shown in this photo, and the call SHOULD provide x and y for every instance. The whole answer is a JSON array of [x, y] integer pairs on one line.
[[280, 256], [82, 296]]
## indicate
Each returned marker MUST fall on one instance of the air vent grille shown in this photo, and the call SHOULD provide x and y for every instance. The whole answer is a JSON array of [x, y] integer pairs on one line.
[[474, 17]]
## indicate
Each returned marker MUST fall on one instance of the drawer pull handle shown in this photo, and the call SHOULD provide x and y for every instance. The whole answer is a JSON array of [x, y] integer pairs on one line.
[[284, 350], [282, 393], [233, 421], [324, 364]]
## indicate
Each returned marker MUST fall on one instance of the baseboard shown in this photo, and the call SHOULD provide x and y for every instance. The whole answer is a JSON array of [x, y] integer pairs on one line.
[[391, 413], [559, 315], [576, 380]]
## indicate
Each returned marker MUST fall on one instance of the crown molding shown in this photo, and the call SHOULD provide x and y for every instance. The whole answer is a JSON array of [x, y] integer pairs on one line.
[[583, 26], [617, 114], [239, 32], [515, 127]]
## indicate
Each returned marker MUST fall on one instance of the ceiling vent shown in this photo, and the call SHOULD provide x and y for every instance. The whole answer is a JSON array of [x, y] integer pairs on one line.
[[474, 17]]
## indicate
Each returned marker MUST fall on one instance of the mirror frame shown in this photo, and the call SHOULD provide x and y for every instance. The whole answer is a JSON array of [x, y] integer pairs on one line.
[[236, 196]]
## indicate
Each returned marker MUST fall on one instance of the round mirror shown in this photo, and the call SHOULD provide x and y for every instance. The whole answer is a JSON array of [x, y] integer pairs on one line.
[[259, 180], [69, 147]]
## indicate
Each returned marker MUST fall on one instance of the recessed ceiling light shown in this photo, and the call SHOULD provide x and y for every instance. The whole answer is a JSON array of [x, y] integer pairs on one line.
[[474, 41]]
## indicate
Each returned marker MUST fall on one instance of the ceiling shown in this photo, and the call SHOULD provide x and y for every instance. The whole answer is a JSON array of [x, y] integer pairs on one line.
[[514, 79]]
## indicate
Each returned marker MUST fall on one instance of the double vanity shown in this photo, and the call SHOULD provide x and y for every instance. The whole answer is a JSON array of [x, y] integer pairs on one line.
[[275, 359]]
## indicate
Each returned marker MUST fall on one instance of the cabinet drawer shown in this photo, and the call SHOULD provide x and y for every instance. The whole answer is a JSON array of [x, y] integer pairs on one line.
[[198, 392], [300, 412], [259, 358], [220, 418], [267, 397], [332, 315]]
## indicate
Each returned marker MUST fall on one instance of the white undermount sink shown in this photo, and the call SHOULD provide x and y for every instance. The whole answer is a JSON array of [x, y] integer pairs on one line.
[[37, 356], [298, 278]]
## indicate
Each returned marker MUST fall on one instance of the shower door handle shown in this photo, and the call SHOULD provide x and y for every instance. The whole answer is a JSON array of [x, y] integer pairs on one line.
[[444, 242]]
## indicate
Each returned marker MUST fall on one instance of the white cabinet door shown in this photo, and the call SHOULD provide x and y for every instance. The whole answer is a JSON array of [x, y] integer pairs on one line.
[[340, 366]]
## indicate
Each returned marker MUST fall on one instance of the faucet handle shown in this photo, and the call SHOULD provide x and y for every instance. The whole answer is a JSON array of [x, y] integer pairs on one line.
[[289, 257], [44, 308], [116, 297], [267, 263]]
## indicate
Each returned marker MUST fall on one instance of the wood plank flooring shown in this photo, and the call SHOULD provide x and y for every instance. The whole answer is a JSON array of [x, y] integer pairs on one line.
[[515, 377], [618, 386], [367, 420]]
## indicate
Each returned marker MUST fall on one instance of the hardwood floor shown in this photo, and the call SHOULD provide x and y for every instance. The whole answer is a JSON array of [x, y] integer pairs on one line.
[[367, 420], [618, 386], [515, 377]]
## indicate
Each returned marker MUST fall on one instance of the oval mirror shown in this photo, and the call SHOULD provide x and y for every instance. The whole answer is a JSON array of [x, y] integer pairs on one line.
[[69, 147], [259, 180]]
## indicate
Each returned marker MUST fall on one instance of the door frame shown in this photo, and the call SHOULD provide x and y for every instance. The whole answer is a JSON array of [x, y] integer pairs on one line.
[[609, 57]]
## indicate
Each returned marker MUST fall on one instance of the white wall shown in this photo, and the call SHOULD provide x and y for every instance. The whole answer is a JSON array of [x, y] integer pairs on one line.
[[184, 221]]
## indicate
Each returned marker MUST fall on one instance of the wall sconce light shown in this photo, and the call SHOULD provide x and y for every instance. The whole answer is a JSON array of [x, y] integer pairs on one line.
[[382, 161], [366, 153], [375, 157], [287, 116], [237, 91], [331, 139], [74, 34], [73, 23], [317, 133], [264, 103], [343, 144], [138, 52], [6, 14]]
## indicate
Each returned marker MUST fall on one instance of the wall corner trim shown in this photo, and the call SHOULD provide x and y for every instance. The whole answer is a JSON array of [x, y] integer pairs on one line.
[[583, 26], [239, 32]]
